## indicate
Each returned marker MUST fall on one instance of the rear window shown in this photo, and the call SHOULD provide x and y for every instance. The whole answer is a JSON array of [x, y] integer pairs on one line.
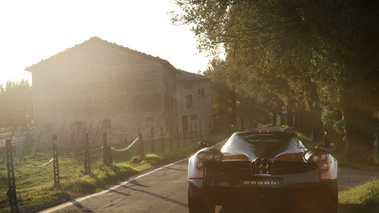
[[265, 137], [261, 139], [272, 138]]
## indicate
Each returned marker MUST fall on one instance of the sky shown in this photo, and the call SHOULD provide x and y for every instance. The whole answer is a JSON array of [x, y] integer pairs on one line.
[[32, 30]]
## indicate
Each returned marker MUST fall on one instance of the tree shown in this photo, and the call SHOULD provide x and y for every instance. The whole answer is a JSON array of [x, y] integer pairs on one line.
[[223, 92], [16, 99], [318, 50]]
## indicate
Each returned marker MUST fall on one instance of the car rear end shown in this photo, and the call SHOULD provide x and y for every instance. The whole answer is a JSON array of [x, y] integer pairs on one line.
[[283, 184]]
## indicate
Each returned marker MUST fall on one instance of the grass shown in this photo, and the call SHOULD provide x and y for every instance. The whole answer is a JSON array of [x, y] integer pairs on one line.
[[362, 198], [35, 187]]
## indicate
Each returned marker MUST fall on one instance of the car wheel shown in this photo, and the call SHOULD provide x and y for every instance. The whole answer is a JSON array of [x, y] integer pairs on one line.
[[200, 205], [329, 198]]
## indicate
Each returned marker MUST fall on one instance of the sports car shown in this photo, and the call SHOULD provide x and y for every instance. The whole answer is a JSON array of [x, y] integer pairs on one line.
[[263, 170]]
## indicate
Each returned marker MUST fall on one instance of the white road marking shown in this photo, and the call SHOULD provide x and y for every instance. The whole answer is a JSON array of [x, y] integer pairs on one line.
[[73, 202], [63, 205]]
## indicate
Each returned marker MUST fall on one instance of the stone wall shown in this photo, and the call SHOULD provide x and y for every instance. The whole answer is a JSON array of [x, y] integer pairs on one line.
[[97, 81]]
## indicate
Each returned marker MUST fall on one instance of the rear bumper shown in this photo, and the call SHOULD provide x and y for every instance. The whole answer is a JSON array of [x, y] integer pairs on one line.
[[293, 190]]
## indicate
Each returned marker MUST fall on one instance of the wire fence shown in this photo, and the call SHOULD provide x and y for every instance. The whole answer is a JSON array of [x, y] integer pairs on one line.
[[34, 167], [88, 150], [127, 148]]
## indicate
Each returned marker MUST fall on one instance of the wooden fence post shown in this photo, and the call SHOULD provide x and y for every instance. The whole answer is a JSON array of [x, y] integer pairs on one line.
[[185, 138], [162, 140], [171, 140], [191, 132], [177, 137], [56, 166], [105, 151], [109, 155], [141, 148], [152, 141], [87, 163], [12, 196]]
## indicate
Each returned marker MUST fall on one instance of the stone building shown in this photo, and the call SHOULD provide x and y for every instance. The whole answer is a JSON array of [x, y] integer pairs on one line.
[[194, 103], [97, 87]]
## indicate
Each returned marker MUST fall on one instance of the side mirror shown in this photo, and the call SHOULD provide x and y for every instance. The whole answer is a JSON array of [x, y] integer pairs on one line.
[[203, 144]]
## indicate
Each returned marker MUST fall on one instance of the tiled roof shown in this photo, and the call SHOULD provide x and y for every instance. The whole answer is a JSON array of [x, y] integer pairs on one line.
[[188, 76], [103, 42]]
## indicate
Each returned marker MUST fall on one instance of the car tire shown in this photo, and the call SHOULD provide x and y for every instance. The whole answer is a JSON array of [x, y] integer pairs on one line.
[[200, 205], [329, 197]]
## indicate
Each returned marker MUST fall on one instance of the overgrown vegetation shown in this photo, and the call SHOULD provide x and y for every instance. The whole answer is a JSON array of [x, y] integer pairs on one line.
[[16, 107], [318, 58], [363, 198], [35, 187]]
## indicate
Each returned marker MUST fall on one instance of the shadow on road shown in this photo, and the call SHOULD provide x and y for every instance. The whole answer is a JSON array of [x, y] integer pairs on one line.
[[135, 183], [355, 208], [184, 170], [350, 208]]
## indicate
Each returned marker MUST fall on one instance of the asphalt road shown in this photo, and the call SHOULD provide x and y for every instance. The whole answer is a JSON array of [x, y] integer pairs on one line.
[[162, 190], [165, 190]]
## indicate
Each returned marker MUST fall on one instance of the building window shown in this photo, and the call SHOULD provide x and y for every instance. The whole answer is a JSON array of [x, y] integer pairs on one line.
[[189, 102], [194, 117], [201, 93]]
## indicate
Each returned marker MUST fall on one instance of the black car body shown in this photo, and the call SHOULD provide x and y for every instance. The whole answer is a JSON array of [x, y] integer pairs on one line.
[[263, 170]]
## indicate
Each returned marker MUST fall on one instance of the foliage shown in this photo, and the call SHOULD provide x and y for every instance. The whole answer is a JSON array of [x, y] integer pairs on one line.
[[16, 108], [315, 54], [361, 198], [35, 187]]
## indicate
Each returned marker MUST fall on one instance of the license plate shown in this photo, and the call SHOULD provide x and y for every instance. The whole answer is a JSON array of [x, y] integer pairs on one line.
[[263, 182]]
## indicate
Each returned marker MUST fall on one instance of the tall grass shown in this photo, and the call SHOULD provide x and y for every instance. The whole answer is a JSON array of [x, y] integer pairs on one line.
[[362, 198], [35, 187]]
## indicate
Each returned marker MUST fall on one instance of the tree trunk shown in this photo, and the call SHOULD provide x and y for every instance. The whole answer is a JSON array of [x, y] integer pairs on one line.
[[282, 121], [307, 123], [274, 115], [299, 120], [359, 130], [303, 121], [233, 103], [242, 120], [289, 115], [317, 126]]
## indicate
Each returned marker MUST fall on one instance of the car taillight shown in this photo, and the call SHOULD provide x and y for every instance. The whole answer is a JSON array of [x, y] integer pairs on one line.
[[205, 156], [209, 156], [324, 167], [319, 158], [199, 165], [323, 157], [315, 158], [201, 155]]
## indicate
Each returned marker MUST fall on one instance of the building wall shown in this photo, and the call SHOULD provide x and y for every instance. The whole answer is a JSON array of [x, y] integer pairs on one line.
[[98, 81], [198, 117]]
